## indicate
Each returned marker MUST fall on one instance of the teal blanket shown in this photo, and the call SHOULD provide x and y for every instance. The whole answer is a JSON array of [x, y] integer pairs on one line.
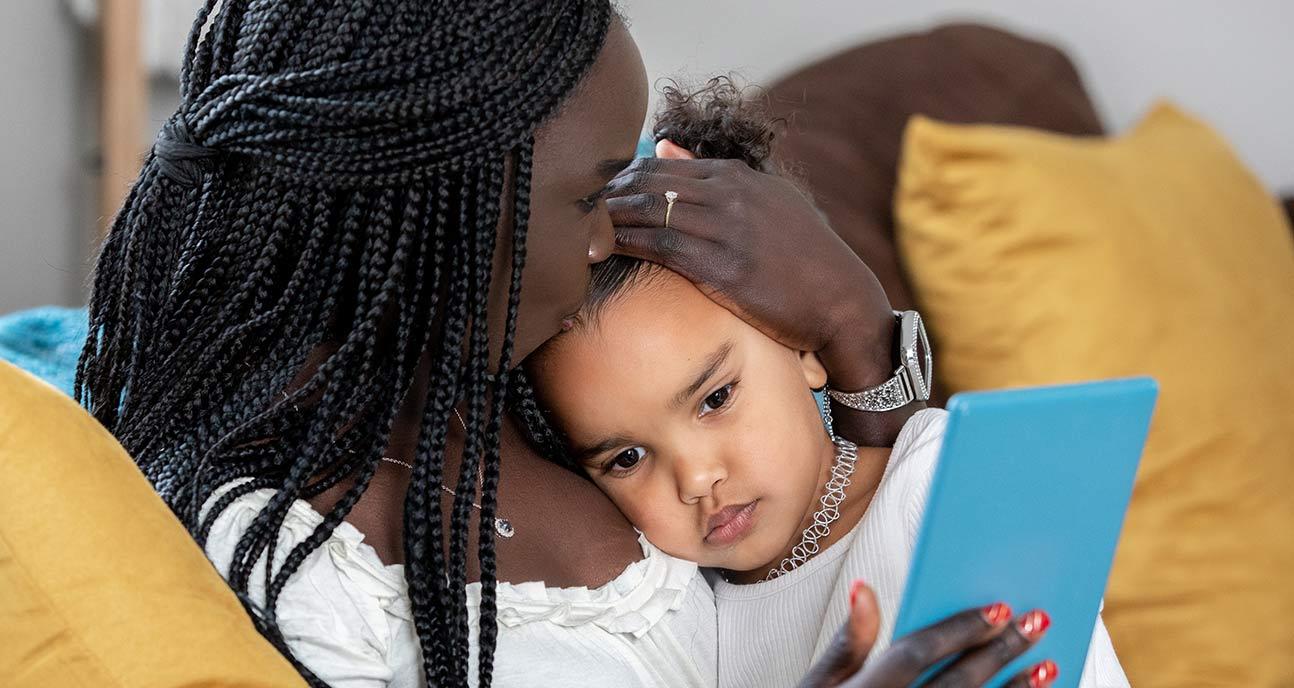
[[45, 342]]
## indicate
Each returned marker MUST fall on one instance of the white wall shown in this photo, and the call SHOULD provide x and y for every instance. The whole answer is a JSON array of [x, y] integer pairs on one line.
[[45, 186], [1233, 63], [1230, 62]]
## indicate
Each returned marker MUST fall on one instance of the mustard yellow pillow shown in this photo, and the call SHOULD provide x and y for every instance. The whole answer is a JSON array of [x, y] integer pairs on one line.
[[100, 585], [1042, 258]]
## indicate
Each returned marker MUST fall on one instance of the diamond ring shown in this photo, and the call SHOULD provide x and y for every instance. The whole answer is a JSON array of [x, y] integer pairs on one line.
[[670, 197]]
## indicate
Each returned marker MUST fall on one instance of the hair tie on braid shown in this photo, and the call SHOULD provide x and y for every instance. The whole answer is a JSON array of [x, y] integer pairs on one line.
[[179, 155]]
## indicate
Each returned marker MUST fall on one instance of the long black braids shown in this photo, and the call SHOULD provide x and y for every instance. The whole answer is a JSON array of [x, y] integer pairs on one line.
[[332, 182]]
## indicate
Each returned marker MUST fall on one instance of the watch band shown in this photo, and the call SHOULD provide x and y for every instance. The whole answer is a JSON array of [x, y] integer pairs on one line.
[[911, 380], [895, 392]]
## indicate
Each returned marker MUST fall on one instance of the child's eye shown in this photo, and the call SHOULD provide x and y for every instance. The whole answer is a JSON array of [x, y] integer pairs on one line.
[[717, 399], [626, 460]]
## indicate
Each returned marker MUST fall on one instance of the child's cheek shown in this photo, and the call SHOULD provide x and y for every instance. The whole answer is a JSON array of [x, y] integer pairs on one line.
[[665, 527]]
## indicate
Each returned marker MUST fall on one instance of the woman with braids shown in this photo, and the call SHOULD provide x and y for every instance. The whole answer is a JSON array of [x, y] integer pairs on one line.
[[304, 324], [306, 315]]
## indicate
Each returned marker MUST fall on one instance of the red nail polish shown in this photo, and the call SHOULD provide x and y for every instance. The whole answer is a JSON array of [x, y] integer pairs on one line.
[[1043, 674], [853, 592], [997, 613], [1034, 624]]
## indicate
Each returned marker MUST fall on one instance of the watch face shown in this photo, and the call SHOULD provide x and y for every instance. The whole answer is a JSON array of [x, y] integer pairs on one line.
[[911, 381], [917, 357]]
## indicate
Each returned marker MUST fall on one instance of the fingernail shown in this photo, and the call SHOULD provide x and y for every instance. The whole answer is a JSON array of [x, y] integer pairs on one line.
[[1044, 674], [997, 613], [1034, 624], [853, 591]]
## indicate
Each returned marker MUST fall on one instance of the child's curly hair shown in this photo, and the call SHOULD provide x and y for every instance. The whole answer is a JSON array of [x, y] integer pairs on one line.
[[719, 120]]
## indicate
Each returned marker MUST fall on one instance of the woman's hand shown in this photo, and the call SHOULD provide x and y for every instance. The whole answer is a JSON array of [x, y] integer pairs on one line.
[[986, 641], [754, 244]]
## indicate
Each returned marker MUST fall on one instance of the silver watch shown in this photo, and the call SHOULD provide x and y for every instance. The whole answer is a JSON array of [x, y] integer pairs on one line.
[[911, 382]]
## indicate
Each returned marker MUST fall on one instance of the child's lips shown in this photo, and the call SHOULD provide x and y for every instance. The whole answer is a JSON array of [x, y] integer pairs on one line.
[[731, 524]]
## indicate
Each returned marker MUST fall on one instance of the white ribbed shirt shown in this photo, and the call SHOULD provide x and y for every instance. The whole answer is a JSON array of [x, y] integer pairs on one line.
[[771, 633]]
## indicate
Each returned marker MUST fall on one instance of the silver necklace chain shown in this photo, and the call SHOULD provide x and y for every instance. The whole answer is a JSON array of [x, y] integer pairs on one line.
[[502, 526], [833, 495]]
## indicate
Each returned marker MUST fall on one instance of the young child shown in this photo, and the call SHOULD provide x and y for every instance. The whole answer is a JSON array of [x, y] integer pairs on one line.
[[706, 433]]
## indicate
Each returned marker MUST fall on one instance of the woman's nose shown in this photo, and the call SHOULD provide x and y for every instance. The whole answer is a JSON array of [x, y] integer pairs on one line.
[[603, 240], [697, 478]]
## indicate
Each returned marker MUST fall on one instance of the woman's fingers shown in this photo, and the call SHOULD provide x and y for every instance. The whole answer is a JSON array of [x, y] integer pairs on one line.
[[669, 247], [633, 183], [651, 210], [693, 168], [915, 653], [1040, 675], [851, 644], [692, 179], [979, 665]]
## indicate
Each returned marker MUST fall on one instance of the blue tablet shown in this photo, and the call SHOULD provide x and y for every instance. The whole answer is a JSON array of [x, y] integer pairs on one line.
[[1025, 507]]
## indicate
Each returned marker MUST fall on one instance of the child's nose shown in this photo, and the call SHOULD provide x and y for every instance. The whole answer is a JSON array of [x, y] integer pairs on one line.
[[697, 478]]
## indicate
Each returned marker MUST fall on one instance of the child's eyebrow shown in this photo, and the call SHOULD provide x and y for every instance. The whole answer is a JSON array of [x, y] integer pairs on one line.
[[712, 364], [585, 455]]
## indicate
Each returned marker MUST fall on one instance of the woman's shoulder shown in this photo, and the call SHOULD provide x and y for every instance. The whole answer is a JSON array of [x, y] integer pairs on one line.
[[344, 548], [340, 608]]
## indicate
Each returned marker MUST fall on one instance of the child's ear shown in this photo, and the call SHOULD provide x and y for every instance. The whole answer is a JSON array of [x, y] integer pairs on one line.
[[814, 373], [672, 151]]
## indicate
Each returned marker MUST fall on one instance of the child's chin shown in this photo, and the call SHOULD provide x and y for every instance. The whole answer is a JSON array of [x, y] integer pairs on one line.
[[740, 562]]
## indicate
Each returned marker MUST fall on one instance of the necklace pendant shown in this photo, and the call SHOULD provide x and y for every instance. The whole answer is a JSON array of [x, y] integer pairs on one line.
[[504, 528]]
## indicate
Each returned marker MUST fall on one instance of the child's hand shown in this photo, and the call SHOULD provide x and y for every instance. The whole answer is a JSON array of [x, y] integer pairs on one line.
[[754, 244], [986, 640]]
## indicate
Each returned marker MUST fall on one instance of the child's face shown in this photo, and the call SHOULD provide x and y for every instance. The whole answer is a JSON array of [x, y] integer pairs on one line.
[[702, 429]]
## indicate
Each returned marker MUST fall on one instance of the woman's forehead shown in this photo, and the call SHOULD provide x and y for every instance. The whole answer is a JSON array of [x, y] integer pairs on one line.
[[604, 116]]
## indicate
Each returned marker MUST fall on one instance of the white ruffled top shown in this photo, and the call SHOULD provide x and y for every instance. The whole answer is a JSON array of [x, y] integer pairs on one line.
[[347, 616]]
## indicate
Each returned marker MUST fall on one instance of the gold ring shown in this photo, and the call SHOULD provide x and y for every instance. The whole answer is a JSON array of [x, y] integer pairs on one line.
[[670, 197]]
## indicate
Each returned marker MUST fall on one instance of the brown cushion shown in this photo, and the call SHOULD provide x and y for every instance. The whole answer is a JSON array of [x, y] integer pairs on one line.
[[845, 118]]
